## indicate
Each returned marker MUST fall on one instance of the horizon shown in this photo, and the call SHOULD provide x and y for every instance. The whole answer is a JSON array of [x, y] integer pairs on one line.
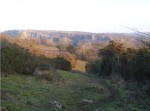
[[96, 16], [133, 32]]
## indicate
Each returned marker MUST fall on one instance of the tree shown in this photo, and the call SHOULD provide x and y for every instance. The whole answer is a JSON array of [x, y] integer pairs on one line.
[[131, 64], [70, 48], [111, 55], [61, 63]]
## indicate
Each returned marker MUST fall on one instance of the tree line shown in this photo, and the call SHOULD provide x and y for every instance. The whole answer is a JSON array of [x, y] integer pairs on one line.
[[130, 64]]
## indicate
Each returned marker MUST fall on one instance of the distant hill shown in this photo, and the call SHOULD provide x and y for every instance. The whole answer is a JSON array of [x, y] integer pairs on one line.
[[74, 37]]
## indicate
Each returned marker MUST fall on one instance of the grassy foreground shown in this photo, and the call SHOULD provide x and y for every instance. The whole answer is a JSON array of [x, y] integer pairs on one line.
[[25, 93]]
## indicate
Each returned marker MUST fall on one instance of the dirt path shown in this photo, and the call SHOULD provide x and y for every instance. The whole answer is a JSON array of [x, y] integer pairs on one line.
[[112, 91], [101, 102]]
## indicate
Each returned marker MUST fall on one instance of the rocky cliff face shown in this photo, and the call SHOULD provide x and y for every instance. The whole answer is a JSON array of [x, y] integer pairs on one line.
[[72, 37], [24, 35]]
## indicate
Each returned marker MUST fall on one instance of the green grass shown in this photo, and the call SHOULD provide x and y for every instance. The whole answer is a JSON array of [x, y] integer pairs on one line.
[[126, 100], [25, 93]]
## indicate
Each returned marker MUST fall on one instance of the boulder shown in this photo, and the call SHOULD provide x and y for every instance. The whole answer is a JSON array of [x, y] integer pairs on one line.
[[56, 105], [87, 101]]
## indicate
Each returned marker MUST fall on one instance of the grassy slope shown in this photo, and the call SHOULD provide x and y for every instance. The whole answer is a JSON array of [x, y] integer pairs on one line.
[[25, 93], [124, 97]]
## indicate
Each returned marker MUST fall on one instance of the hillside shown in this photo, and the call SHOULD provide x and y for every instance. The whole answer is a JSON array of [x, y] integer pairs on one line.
[[55, 43], [43, 50], [78, 93], [74, 37], [25, 93], [34, 81]]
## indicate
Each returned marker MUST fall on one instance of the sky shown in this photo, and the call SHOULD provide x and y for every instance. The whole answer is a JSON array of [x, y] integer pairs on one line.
[[75, 15]]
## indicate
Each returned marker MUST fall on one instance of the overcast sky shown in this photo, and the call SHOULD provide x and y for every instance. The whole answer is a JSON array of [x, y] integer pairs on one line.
[[75, 15]]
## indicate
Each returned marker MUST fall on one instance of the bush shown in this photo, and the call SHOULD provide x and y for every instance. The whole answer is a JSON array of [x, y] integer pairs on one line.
[[94, 67], [71, 48], [61, 63], [130, 64], [48, 73], [15, 59]]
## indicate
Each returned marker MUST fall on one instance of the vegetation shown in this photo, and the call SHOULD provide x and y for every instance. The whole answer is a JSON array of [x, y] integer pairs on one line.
[[18, 60], [25, 93], [80, 66], [131, 64], [121, 84], [128, 71], [48, 73], [71, 49], [61, 63]]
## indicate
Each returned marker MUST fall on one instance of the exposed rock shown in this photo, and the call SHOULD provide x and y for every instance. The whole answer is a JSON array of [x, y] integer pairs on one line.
[[75, 37], [87, 101], [24, 35], [56, 105]]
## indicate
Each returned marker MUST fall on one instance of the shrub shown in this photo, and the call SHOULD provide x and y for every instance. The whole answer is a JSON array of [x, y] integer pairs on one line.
[[61, 63], [48, 73], [15, 59], [130, 64], [71, 48]]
